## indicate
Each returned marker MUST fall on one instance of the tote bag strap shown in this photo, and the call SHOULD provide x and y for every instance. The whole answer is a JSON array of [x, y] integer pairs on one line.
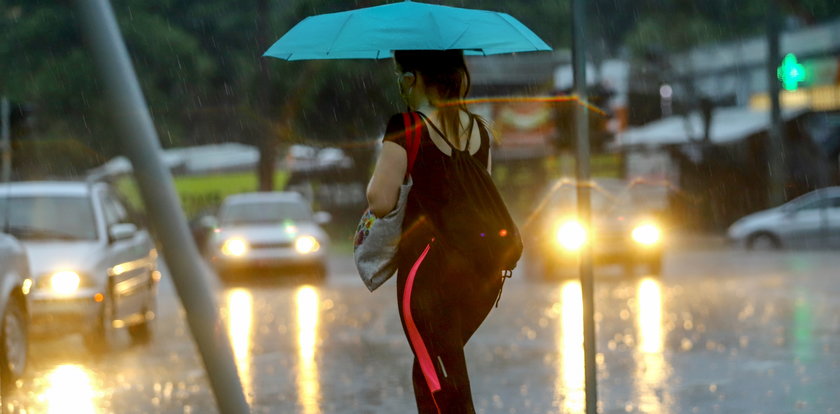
[[413, 133]]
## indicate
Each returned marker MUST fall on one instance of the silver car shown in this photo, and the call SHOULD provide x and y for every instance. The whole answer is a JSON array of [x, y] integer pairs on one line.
[[812, 220], [94, 268], [14, 326], [268, 230]]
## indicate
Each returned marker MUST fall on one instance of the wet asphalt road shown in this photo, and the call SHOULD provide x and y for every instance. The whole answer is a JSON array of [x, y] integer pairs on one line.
[[722, 331]]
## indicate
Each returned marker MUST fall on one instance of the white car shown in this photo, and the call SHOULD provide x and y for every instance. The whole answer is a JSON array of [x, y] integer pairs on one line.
[[812, 220], [268, 230], [93, 267], [14, 335]]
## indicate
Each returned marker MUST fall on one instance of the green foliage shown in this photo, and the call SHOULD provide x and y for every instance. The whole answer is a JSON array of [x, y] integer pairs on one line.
[[199, 62], [202, 193]]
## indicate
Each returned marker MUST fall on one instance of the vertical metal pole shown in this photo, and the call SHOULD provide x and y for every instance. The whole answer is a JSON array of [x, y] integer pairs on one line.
[[6, 140], [141, 145], [583, 201], [776, 145]]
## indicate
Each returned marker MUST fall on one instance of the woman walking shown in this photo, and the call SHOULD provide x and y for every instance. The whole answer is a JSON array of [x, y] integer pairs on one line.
[[444, 291]]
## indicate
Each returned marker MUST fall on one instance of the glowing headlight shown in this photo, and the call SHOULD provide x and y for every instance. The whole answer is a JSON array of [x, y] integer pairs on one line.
[[571, 235], [65, 282], [234, 247], [306, 244], [647, 234]]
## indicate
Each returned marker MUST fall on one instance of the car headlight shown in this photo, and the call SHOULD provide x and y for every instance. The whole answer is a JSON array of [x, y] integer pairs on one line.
[[647, 234], [64, 282], [571, 235], [307, 244], [26, 287], [235, 247]]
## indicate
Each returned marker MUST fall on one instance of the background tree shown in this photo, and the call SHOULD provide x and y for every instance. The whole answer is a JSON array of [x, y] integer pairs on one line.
[[201, 68]]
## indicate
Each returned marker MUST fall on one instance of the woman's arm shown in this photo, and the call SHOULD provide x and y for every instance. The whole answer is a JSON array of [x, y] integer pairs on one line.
[[384, 187]]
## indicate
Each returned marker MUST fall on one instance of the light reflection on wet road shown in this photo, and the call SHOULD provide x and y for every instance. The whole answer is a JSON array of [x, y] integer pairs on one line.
[[308, 387], [569, 393], [69, 386], [240, 322], [722, 331], [652, 371]]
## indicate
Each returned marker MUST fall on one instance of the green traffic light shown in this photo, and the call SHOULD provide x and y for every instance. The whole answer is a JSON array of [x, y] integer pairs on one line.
[[791, 72]]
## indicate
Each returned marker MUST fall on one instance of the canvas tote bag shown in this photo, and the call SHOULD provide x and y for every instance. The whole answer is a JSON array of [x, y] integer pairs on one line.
[[376, 239]]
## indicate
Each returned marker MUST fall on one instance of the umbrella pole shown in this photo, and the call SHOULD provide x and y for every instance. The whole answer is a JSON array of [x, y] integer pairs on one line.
[[141, 145], [583, 201]]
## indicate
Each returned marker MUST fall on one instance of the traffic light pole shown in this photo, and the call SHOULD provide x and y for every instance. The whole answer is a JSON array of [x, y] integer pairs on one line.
[[583, 201], [776, 145], [141, 145], [6, 139]]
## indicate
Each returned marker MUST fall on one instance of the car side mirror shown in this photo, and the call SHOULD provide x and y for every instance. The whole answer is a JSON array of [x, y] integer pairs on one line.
[[208, 222], [322, 217], [122, 231]]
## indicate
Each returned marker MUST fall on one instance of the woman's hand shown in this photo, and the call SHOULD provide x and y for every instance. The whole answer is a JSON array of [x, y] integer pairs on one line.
[[384, 187]]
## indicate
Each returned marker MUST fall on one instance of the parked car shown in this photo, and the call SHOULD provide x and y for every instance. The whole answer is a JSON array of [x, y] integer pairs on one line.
[[268, 230], [627, 226], [812, 220], [15, 283], [93, 266]]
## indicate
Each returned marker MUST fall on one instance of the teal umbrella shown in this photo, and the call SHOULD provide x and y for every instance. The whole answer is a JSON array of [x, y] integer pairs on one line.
[[375, 32]]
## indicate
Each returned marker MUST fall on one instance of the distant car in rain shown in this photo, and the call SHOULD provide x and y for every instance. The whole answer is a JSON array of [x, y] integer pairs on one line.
[[627, 227], [305, 158], [334, 157], [811, 220], [268, 230], [93, 267], [15, 283]]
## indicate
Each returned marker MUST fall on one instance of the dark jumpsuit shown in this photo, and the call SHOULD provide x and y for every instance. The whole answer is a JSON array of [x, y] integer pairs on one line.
[[443, 294]]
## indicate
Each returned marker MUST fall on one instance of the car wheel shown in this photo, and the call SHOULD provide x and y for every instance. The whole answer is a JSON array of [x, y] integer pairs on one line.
[[543, 268], [15, 343], [141, 333], [320, 273], [100, 338], [629, 268], [763, 241], [654, 266], [224, 276]]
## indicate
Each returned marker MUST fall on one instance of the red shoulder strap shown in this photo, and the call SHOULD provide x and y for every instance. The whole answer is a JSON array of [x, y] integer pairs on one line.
[[413, 134]]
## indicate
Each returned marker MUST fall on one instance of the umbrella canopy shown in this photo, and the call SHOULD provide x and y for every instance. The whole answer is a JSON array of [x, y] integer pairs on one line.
[[375, 32]]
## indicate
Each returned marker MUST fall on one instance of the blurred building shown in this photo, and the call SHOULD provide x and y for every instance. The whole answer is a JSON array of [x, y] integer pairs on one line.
[[701, 118]]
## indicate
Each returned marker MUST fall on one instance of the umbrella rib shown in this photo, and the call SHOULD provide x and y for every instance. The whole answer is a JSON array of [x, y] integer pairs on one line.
[[338, 33], [458, 38], [506, 17]]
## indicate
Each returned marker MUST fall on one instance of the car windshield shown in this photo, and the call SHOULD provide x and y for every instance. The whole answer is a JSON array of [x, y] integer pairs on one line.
[[49, 218], [612, 196], [565, 198], [258, 212]]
